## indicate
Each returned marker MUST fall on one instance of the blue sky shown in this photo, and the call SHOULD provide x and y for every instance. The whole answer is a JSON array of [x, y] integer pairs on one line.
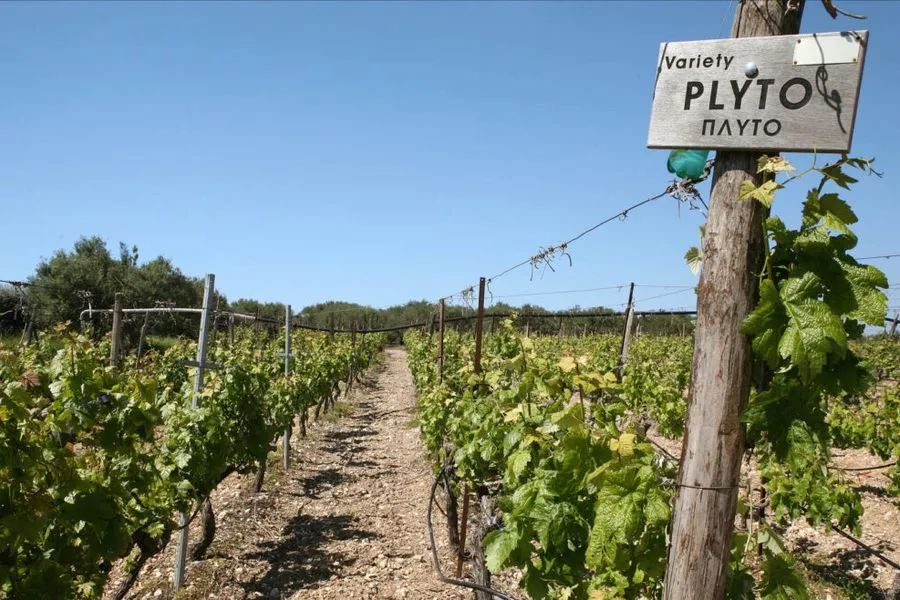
[[377, 152]]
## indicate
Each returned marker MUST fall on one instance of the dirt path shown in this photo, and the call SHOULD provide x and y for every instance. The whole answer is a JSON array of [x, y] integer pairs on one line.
[[346, 521]]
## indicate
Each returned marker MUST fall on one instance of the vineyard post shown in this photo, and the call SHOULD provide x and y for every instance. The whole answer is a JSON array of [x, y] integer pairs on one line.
[[141, 338], [894, 324], [287, 373], [441, 341], [208, 289], [479, 325], [215, 323], [626, 334], [351, 358], [733, 249], [115, 348], [27, 332], [464, 518]]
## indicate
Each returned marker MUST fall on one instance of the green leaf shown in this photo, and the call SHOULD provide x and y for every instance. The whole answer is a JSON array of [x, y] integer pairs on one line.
[[765, 323], [764, 194], [813, 332], [572, 416], [780, 581], [773, 164], [836, 174], [567, 363], [870, 302], [836, 214], [769, 540], [618, 518], [498, 545], [694, 259], [657, 509], [517, 463], [624, 445]]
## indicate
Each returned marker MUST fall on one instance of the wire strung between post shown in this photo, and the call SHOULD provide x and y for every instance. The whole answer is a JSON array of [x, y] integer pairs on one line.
[[689, 289], [622, 214], [879, 256], [597, 289], [565, 315]]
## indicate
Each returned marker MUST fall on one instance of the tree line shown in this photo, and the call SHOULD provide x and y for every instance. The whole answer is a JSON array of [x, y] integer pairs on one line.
[[89, 276]]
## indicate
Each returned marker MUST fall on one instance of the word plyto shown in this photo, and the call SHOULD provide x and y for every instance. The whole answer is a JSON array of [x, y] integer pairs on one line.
[[796, 92]]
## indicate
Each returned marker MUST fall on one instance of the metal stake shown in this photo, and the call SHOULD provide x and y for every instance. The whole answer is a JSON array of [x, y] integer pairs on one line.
[[287, 372], [181, 548]]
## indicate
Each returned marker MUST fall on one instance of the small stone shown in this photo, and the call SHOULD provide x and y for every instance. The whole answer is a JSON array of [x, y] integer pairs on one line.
[[157, 593]]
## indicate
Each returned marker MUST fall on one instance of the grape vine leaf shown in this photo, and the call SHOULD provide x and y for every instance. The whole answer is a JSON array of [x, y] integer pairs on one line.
[[618, 517], [694, 259], [810, 329], [764, 193], [765, 322], [871, 303], [498, 545], [780, 581]]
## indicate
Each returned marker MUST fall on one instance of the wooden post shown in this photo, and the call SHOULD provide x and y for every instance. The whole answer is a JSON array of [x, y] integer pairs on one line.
[[480, 572], [463, 526], [894, 324], [441, 341], [28, 334], [141, 338], [479, 325], [626, 334], [722, 367], [350, 359], [559, 334], [288, 318], [215, 323], [115, 349]]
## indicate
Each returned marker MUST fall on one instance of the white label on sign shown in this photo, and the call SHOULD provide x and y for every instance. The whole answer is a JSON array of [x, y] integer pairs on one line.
[[827, 48]]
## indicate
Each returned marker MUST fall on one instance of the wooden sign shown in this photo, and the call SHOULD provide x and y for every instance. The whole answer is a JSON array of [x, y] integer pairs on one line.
[[790, 93]]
